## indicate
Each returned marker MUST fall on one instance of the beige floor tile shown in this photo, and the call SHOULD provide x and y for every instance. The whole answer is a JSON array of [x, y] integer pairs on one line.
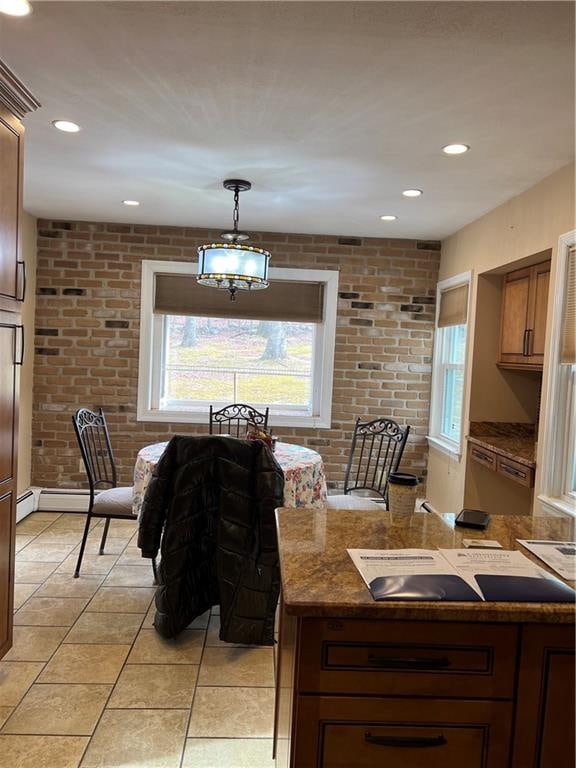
[[31, 525], [150, 648], [50, 611], [51, 516], [65, 585], [42, 751], [59, 710], [4, 715], [44, 553], [237, 667], [109, 628], [228, 753], [130, 576], [33, 573], [91, 563], [60, 536], [15, 679], [212, 636], [155, 686], [35, 643], [150, 738], [85, 663], [232, 713], [112, 546], [22, 592], [199, 623], [72, 520], [133, 556], [121, 600], [22, 541]]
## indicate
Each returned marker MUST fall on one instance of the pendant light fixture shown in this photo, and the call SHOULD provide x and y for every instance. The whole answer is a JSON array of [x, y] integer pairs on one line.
[[231, 265]]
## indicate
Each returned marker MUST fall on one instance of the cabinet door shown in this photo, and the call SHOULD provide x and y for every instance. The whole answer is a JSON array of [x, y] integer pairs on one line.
[[540, 282], [341, 732], [10, 182], [545, 715], [515, 307], [8, 422]]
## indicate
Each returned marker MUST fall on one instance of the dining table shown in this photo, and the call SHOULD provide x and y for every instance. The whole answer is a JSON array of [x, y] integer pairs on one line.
[[303, 468]]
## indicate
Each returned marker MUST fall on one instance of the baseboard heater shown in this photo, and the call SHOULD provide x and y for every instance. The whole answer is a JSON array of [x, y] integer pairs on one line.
[[60, 500]]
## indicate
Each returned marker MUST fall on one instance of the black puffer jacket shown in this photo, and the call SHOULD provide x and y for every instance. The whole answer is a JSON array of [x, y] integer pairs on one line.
[[211, 500]]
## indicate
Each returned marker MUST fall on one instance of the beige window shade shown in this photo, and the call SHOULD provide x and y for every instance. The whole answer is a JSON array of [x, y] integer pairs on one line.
[[293, 301], [568, 341], [453, 306]]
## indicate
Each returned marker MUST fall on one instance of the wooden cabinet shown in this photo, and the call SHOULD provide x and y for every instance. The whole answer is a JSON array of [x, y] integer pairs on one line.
[[523, 324], [545, 716], [15, 102], [513, 470], [370, 693], [9, 380]]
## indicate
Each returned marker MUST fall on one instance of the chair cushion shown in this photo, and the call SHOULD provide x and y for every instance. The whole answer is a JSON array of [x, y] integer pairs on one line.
[[114, 501], [347, 501]]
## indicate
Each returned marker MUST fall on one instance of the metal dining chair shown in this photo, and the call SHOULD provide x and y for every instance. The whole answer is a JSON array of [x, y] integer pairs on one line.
[[231, 419], [375, 453], [113, 503]]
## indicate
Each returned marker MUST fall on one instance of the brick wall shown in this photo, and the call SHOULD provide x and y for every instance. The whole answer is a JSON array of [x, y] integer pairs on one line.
[[87, 333]]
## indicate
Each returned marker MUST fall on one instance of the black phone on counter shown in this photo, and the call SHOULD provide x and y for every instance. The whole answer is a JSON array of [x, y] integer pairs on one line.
[[472, 518]]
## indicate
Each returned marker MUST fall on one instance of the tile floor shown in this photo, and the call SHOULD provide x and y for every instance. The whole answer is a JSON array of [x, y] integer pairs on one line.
[[89, 683]]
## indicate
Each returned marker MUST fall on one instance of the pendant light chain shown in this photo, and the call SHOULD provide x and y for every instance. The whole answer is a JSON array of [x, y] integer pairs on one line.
[[236, 215]]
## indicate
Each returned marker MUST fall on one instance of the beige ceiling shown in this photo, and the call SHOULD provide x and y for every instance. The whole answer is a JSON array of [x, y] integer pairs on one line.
[[330, 109]]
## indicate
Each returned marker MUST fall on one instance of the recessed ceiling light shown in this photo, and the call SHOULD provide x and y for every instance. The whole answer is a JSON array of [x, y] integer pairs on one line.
[[15, 7], [388, 217], [66, 126], [412, 192], [455, 149], [131, 202]]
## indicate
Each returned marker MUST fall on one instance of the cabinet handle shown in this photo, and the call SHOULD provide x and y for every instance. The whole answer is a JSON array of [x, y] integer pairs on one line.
[[511, 471], [21, 360], [529, 342], [390, 662], [525, 344], [403, 741], [22, 264], [483, 456]]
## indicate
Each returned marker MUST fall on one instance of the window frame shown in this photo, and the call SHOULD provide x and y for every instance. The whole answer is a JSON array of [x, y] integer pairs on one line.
[[558, 447], [435, 437], [151, 339]]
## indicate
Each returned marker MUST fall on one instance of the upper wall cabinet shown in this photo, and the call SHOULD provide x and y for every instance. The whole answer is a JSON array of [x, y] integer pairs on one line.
[[523, 326], [15, 102]]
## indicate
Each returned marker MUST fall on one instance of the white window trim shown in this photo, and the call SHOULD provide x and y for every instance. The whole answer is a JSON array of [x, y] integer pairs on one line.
[[435, 438], [554, 453], [325, 343]]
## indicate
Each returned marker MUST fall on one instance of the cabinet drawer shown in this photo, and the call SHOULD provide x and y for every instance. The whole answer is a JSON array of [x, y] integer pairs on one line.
[[372, 733], [407, 658], [520, 473], [483, 456]]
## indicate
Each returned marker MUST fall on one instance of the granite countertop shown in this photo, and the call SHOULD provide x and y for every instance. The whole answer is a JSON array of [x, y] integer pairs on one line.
[[319, 578], [511, 440]]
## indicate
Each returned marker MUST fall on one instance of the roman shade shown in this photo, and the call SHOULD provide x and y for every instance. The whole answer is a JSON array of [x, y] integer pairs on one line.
[[453, 306], [288, 300], [568, 340]]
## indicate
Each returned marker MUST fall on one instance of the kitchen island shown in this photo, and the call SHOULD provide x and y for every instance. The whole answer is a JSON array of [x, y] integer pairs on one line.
[[362, 684]]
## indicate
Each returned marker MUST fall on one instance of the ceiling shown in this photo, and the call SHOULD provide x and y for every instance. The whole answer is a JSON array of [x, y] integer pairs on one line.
[[330, 109]]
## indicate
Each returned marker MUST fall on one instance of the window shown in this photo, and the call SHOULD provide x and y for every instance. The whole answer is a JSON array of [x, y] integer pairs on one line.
[[268, 348], [559, 449], [449, 364]]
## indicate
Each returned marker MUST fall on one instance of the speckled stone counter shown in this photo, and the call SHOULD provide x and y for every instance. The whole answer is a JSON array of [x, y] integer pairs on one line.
[[511, 440], [320, 580]]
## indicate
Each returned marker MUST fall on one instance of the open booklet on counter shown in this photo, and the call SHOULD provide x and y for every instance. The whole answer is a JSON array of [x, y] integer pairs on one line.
[[457, 575]]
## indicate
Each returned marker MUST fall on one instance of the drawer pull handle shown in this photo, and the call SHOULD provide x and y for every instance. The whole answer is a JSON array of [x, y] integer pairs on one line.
[[483, 456], [403, 741], [389, 662], [511, 471]]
